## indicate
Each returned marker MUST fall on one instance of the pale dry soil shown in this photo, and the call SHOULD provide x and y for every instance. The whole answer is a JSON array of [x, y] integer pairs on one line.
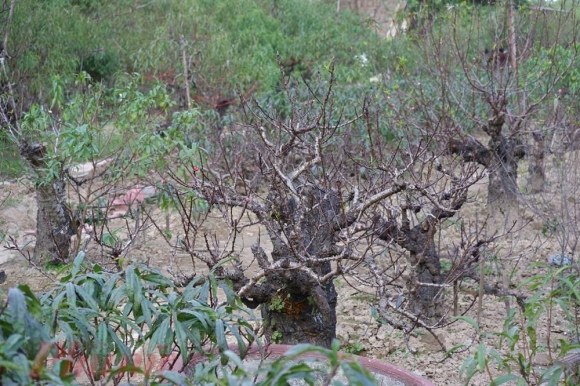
[[356, 327]]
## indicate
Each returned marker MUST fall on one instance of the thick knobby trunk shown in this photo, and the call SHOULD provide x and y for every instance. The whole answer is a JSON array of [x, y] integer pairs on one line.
[[425, 299], [293, 316], [53, 230], [503, 189], [425, 294], [304, 310], [501, 159], [53, 221], [536, 167]]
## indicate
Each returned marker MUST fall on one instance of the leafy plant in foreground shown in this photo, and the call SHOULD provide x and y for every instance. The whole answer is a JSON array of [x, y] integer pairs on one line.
[[97, 323], [513, 358]]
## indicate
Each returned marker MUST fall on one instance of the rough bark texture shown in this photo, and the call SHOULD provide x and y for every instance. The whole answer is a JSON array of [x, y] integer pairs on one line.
[[53, 221], [292, 316], [426, 300], [536, 165], [296, 306], [426, 297], [501, 158], [503, 189], [419, 241]]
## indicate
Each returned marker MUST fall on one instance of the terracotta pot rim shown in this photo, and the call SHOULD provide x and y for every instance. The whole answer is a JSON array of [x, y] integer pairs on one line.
[[373, 365]]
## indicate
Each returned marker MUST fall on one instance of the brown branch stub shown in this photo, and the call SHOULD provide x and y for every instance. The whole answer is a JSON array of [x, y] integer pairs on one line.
[[470, 150], [33, 153]]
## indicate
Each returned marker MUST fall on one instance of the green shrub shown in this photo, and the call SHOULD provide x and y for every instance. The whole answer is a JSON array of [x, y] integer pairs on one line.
[[551, 291], [105, 319], [100, 65]]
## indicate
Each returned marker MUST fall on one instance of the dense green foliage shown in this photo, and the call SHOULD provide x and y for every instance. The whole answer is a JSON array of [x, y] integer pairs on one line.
[[102, 321], [230, 48], [229, 44]]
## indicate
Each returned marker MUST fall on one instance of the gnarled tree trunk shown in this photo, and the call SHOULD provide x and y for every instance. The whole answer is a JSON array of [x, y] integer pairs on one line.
[[536, 164], [503, 188], [297, 296], [53, 221], [500, 157], [425, 300], [303, 310], [292, 315]]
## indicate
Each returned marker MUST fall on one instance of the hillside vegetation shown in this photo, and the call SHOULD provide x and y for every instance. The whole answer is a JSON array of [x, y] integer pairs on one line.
[[279, 149]]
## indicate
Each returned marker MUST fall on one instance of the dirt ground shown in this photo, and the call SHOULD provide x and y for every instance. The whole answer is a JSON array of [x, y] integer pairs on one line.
[[357, 330]]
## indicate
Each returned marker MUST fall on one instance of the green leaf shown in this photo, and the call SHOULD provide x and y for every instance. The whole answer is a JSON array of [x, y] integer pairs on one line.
[[175, 377], [13, 343], [468, 368], [121, 349], [234, 358], [203, 293], [134, 289], [303, 348], [481, 350], [220, 336], [240, 341], [77, 263], [17, 305], [157, 278], [9, 365], [107, 292], [504, 379], [469, 320], [71, 295], [357, 374], [181, 337], [147, 308], [32, 302], [552, 376], [453, 349], [102, 348], [158, 334], [86, 297], [279, 375]]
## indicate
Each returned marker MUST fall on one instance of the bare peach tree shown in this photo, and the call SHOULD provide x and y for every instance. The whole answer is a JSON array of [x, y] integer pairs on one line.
[[495, 75], [333, 196]]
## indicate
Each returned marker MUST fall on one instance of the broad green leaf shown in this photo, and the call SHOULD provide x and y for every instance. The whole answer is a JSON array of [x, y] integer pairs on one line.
[[159, 334], [174, 377], [552, 376], [357, 374], [71, 295], [77, 263], [303, 348], [504, 379], [17, 305], [102, 347], [234, 358], [86, 297], [121, 349], [469, 320], [147, 308], [32, 302], [481, 357], [288, 370], [181, 337], [468, 368], [220, 336], [13, 342]]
